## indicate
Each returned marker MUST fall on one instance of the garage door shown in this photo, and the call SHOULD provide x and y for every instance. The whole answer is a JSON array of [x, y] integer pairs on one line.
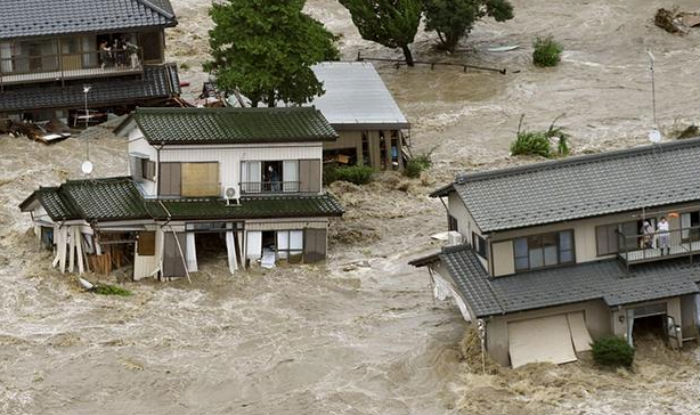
[[545, 339]]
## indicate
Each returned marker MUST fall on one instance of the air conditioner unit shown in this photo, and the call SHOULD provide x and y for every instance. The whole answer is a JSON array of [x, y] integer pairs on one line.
[[232, 196], [454, 238]]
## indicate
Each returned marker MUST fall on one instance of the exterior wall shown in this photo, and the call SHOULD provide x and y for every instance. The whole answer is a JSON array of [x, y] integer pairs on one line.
[[584, 231], [504, 260], [145, 265], [230, 157], [689, 315], [465, 222], [138, 145], [596, 314], [286, 224], [673, 309]]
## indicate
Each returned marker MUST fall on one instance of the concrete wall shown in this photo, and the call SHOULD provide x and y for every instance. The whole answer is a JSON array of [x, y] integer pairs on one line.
[[596, 314]]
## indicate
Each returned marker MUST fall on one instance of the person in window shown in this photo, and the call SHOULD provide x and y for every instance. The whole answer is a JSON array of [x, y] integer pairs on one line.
[[647, 235], [104, 54], [663, 235], [274, 179]]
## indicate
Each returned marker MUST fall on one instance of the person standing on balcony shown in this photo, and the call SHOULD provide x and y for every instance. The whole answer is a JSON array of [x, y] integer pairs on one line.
[[647, 235], [662, 227], [274, 179], [104, 53]]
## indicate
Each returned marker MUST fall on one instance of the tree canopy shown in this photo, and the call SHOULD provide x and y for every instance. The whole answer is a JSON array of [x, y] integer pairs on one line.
[[454, 19], [392, 23], [265, 50]]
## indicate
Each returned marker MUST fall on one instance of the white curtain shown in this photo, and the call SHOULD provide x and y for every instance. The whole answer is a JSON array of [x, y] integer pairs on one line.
[[296, 242], [685, 225], [6, 57], [89, 51], [290, 176], [191, 253], [254, 244], [252, 176], [231, 248], [282, 244]]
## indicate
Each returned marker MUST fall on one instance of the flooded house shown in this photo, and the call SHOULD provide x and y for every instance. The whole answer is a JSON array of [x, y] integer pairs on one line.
[[371, 128], [57, 57], [240, 183], [544, 258]]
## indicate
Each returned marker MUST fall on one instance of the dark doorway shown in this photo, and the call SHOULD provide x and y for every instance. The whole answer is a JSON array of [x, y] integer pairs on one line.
[[210, 247], [650, 327], [174, 254]]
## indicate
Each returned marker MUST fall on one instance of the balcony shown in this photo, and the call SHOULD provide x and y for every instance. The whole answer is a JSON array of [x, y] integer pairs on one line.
[[64, 67], [658, 246], [265, 188]]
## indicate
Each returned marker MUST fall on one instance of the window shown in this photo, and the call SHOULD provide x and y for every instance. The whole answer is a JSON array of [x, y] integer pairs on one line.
[[544, 250], [452, 224], [148, 169], [479, 244], [606, 239], [290, 244]]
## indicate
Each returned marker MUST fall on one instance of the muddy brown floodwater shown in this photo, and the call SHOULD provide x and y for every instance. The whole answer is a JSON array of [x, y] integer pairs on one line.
[[361, 333]]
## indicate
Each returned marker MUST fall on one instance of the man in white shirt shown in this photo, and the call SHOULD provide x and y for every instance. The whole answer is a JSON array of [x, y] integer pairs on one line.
[[662, 227]]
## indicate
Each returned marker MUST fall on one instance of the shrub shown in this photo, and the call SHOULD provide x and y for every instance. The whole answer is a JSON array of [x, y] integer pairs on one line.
[[613, 351], [354, 174], [105, 289], [539, 142], [416, 165], [547, 51]]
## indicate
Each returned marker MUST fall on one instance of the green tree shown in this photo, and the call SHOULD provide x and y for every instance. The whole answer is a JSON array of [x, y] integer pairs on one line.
[[392, 23], [454, 19], [265, 50]]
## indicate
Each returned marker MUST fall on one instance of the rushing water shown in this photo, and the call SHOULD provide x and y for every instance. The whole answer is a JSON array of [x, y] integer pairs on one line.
[[361, 333]]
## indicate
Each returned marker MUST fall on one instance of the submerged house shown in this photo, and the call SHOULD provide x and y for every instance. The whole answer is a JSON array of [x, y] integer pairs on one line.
[[242, 182], [370, 125], [558, 253], [49, 50]]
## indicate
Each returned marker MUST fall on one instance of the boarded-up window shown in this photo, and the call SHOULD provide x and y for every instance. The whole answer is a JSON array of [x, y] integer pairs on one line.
[[200, 179], [147, 243], [314, 245], [170, 179], [310, 176]]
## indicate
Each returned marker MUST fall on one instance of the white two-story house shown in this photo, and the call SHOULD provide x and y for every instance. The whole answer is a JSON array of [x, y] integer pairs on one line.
[[558, 253], [246, 183]]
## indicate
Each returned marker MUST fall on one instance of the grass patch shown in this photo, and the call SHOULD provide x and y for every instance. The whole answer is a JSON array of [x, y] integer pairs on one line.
[[613, 351], [358, 175], [416, 165], [106, 289], [547, 52], [539, 143]]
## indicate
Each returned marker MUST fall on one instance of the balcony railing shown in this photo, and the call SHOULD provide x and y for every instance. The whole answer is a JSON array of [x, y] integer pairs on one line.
[[656, 246], [270, 187], [24, 69]]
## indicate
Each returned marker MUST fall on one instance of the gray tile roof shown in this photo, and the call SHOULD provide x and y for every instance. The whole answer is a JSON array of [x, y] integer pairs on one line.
[[356, 97], [118, 198], [604, 280], [580, 187], [180, 126], [159, 82], [30, 18]]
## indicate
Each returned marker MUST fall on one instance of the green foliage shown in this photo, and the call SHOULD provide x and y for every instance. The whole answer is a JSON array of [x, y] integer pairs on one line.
[[105, 289], [265, 50], [358, 175], [392, 23], [416, 165], [547, 51], [613, 351], [454, 19], [539, 142]]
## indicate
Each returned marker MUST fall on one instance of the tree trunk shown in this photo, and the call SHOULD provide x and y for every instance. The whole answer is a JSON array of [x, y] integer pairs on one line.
[[407, 54]]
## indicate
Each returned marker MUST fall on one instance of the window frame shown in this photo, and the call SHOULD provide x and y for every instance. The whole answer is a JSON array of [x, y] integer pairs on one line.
[[557, 237], [480, 248]]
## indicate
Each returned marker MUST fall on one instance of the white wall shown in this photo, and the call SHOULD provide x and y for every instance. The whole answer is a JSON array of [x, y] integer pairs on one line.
[[139, 145]]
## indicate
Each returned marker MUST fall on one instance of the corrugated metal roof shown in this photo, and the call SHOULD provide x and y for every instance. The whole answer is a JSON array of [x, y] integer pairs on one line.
[[159, 81], [580, 187], [29, 18], [177, 126], [605, 280], [356, 96]]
